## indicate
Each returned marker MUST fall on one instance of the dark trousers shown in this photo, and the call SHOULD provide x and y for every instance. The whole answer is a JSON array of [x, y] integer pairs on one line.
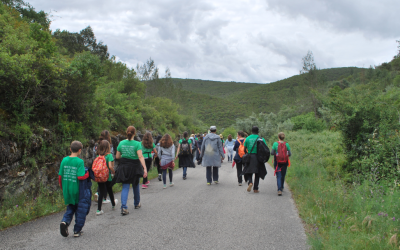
[[105, 187], [79, 218], [239, 169], [98, 192], [249, 178], [157, 163], [280, 176], [214, 171], [165, 175], [148, 162]]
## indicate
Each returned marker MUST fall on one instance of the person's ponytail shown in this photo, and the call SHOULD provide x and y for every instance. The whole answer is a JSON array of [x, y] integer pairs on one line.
[[130, 132]]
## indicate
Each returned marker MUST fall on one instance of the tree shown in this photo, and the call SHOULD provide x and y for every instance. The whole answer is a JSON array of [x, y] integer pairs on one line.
[[310, 73], [28, 13]]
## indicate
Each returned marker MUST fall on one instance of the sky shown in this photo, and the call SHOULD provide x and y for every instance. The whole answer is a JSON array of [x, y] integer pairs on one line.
[[257, 41]]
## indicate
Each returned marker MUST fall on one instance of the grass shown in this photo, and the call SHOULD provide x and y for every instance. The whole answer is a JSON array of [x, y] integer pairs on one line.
[[339, 214], [23, 208]]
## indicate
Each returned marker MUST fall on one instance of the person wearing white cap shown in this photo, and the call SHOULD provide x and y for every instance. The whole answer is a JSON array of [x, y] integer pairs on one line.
[[212, 155]]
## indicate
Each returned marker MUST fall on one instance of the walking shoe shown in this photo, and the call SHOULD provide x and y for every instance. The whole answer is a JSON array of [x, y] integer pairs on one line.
[[106, 201], [216, 182], [77, 234], [184, 177], [147, 183], [208, 183], [256, 191], [116, 203], [124, 211], [165, 186], [279, 193], [144, 186], [64, 229], [171, 184], [138, 206], [249, 187], [99, 212], [240, 184], [96, 197], [159, 177]]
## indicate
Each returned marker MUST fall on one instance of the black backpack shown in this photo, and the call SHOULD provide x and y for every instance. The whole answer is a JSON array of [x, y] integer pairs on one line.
[[263, 152], [193, 145], [185, 147]]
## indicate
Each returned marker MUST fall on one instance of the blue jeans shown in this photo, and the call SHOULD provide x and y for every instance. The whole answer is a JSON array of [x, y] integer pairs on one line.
[[125, 193], [165, 175], [214, 171], [184, 171], [79, 222], [280, 176]]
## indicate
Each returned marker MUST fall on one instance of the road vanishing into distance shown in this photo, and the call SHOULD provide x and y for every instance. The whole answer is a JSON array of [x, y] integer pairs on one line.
[[189, 215]]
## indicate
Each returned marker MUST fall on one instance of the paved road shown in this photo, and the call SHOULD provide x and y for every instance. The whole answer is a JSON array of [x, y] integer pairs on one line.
[[190, 215]]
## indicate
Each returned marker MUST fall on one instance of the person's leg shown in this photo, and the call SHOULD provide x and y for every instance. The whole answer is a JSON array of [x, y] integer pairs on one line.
[[279, 179], [215, 173], [67, 218], [164, 176], [208, 174], [249, 178], [110, 192], [80, 215], [239, 167], [170, 172], [184, 172], [103, 191], [284, 168], [124, 195], [256, 181], [148, 165], [136, 195]]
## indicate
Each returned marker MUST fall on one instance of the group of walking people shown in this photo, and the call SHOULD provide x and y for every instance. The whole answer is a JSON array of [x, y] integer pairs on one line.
[[136, 158]]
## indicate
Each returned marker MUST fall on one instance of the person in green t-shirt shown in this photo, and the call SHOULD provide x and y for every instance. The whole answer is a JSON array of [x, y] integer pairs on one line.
[[254, 167], [281, 167], [185, 159], [148, 148], [72, 170]]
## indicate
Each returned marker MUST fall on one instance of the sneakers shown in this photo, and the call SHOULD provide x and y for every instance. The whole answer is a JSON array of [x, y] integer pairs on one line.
[[208, 183], [147, 183], [249, 187], [279, 193], [116, 203], [106, 201], [99, 212], [96, 197], [144, 186], [171, 184], [165, 186], [184, 177], [138, 206], [216, 182], [64, 229], [77, 234], [256, 191], [240, 184], [159, 177], [124, 211]]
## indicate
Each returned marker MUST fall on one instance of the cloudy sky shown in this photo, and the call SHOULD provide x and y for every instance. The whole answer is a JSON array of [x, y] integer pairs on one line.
[[236, 40]]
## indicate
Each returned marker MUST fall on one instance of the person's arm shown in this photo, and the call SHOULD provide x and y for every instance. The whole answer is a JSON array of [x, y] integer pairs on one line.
[[236, 145], [118, 155], [111, 166], [203, 146], [288, 148], [155, 152], [81, 178], [221, 150], [141, 159], [60, 181], [177, 152]]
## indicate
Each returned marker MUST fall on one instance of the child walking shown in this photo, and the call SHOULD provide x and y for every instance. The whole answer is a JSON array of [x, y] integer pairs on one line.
[[147, 148], [72, 170], [167, 156]]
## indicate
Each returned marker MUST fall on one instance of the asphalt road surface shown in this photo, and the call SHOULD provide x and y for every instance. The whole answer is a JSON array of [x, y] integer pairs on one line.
[[189, 215]]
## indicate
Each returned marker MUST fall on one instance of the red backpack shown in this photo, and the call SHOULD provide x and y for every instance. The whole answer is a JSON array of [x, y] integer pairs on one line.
[[282, 156], [100, 169]]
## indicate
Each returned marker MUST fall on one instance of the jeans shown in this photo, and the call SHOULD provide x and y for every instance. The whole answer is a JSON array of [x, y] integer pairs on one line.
[[125, 193], [214, 171], [79, 219], [148, 162], [165, 175], [184, 171], [249, 178], [280, 176], [105, 188], [239, 169]]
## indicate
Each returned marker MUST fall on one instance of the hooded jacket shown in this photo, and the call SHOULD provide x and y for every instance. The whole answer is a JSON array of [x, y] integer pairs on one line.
[[212, 151]]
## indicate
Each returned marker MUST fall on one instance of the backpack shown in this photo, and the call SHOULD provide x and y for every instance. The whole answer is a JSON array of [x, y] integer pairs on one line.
[[193, 144], [263, 152], [100, 169], [241, 148], [282, 156], [185, 147]]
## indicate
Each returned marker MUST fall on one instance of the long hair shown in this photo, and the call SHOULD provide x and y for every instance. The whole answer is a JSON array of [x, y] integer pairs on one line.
[[166, 141], [103, 148], [229, 137], [147, 141], [130, 132], [105, 135]]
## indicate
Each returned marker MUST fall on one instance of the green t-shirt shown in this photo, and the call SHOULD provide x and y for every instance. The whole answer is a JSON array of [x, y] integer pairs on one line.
[[250, 140], [70, 169], [189, 141], [147, 151], [129, 148], [275, 146]]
